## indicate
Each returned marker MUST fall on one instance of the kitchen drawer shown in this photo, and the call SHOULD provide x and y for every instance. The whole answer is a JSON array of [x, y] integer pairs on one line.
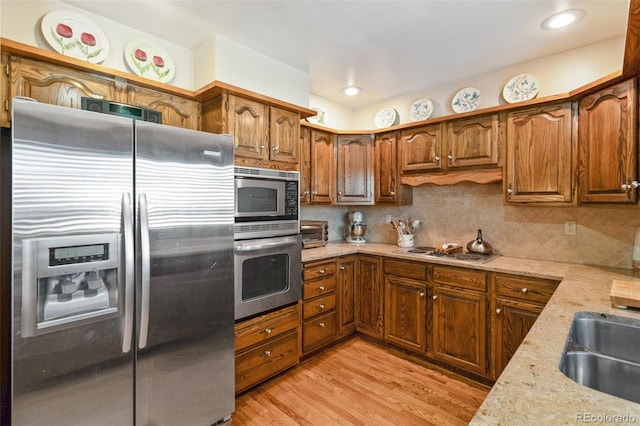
[[318, 331], [319, 305], [460, 277], [528, 289], [312, 271], [415, 270], [319, 287], [266, 360], [259, 329]]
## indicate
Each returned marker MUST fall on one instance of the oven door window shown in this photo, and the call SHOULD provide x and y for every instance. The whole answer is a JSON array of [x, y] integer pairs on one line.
[[265, 275]]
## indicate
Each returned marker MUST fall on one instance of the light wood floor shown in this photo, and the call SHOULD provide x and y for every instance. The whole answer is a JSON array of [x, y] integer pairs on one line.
[[359, 383]]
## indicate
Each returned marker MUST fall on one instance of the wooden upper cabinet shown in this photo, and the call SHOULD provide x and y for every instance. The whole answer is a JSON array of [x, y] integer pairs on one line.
[[5, 117], [176, 111], [305, 165], [608, 139], [385, 170], [284, 135], [248, 122], [355, 169], [421, 148], [323, 176], [473, 141], [540, 155], [53, 84]]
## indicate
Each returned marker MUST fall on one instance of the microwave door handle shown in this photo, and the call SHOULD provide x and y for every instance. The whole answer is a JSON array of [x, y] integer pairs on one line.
[[145, 270], [129, 265], [261, 246]]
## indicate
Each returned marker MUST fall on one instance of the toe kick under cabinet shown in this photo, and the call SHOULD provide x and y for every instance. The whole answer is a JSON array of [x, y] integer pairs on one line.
[[266, 345]]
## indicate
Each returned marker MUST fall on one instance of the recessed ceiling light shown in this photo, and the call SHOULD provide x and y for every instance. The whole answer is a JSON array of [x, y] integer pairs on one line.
[[351, 90], [562, 19]]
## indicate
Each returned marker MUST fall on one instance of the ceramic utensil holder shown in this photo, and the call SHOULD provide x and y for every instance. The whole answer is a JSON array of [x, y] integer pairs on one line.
[[405, 240]]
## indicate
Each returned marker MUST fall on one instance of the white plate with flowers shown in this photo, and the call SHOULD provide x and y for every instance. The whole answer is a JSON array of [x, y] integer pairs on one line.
[[521, 87], [467, 99], [72, 34], [421, 109], [386, 117], [147, 59]]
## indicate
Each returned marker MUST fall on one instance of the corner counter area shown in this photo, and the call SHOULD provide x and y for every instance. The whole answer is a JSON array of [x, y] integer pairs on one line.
[[532, 389]]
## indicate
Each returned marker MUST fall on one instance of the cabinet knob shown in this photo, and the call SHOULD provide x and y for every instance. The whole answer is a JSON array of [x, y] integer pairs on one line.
[[268, 330], [450, 157], [434, 297], [498, 311], [321, 325], [509, 190], [524, 290], [267, 353], [321, 272], [321, 306], [393, 194], [340, 193], [276, 148], [321, 288], [262, 146], [629, 186], [342, 267], [437, 159], [305, 193], [422, 295]]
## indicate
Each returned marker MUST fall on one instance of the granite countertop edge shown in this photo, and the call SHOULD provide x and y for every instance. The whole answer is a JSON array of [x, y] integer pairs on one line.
[[531, 389]]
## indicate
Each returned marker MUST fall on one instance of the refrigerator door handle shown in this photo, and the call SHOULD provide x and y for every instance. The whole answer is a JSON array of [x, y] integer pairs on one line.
[[129, 270], [145, 270]]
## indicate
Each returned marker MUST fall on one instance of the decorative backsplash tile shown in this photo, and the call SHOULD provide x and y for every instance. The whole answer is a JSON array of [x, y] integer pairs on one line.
[[605, 233]]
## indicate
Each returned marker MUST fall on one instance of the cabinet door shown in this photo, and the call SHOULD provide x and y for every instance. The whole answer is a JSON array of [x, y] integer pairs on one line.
[[369, 296], [386, 182], [176, 111], [322, 167], [607, 136], [249, 126], [473, 141], [5, 97], [346, 276], [305, 165], [284, 135], [420, 148], [57, 85], [405, 313], [355, 169], [460, 328], [511, 323], [540, 147]]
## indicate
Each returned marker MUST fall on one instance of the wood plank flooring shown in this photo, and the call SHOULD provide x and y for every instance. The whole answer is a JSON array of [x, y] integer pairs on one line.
[[359, 383]]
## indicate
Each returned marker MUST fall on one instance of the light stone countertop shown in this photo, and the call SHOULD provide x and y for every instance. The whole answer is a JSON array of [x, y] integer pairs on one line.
[[532, 390]]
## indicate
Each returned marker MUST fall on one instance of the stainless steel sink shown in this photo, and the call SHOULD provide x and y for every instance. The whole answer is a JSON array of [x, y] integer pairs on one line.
[[602, 352]]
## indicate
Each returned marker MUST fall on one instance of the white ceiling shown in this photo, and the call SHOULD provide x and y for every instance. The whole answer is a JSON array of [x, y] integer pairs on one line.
[[386, 47]]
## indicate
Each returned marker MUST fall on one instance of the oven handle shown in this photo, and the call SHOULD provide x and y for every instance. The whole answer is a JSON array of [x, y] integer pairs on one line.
[[254, 246]]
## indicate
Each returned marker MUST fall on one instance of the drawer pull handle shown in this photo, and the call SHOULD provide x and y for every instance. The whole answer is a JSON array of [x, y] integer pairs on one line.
[[321, 325], [267, 353], [321, 306], [268, 330], [524, 290], [321, 288], [321, 271], [498, 311]]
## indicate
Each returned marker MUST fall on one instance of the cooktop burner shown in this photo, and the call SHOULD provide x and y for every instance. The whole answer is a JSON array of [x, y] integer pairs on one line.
[[463, 257]]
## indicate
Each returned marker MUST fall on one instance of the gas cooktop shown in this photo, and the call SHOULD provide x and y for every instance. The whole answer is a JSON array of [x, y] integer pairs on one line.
[[468, 257]]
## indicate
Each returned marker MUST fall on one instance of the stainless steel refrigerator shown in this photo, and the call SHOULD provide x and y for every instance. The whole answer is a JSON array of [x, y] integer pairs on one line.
[[122, 281]]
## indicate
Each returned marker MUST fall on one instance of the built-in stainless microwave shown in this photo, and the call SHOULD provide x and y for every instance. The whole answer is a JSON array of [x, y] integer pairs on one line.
[[267, 203]]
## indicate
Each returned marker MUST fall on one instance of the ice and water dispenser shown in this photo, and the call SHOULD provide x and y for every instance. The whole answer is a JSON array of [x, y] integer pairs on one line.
[[68, 279]]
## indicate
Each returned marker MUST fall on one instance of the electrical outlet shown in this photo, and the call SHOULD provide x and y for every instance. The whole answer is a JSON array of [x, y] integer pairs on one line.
[[387, 218], [570, 227]]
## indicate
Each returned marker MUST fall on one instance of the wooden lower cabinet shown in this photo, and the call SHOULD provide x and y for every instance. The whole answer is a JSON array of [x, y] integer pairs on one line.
[[266, 345], [405, 313], [369, 291], [345, 291], [459, 330], [517, 303]]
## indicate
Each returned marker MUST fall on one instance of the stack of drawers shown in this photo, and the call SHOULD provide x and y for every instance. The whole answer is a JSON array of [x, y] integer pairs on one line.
[[319, 316], [265, 346]]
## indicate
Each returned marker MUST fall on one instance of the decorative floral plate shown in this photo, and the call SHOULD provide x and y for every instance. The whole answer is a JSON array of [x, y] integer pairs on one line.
[[421, 109], [72, 34], [467, 99], [386, 117], [320, 118], [147, 59], [521, 87]]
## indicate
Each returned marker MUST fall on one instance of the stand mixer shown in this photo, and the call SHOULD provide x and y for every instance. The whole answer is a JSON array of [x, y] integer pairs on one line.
[[356, 228]]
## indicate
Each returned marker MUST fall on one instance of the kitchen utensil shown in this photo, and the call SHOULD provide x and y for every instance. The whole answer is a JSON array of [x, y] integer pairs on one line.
[[479, 245]]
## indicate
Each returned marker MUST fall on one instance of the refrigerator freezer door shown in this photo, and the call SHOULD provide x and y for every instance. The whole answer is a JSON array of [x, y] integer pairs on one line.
[[71, 171], [185, 342]]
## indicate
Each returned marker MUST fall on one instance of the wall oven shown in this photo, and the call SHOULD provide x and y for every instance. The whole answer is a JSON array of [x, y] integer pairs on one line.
[[268, 246]]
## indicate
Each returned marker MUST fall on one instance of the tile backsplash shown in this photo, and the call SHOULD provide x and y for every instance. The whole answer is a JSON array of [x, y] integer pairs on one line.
[[605, 233]]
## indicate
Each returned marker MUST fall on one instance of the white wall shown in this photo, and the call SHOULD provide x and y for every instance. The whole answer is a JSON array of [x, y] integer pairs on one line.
[[336, 116]]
